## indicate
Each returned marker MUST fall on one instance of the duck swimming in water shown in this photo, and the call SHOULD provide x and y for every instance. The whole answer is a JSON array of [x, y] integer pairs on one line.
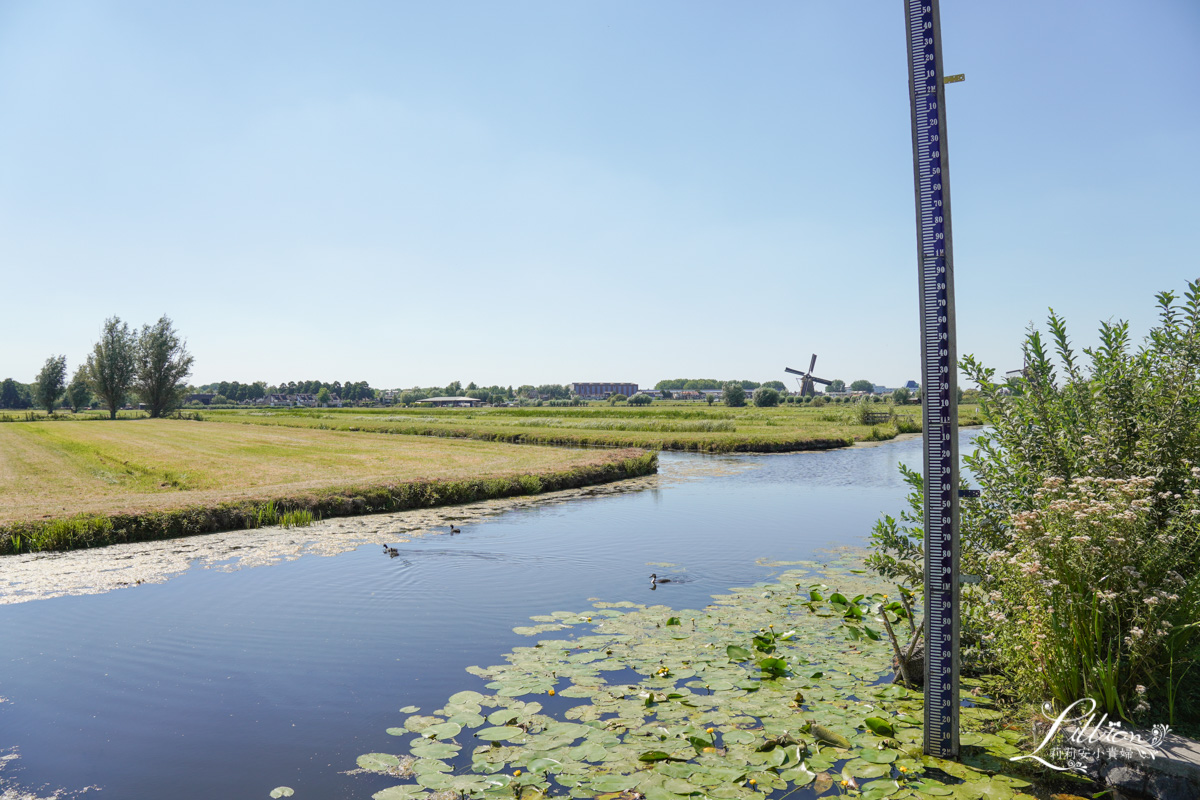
[[391, 551], [454, 529], [655, 579]]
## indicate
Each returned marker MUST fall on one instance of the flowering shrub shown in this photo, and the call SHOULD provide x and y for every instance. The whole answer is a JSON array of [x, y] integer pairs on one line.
[[1090, 596], [1085, 536]]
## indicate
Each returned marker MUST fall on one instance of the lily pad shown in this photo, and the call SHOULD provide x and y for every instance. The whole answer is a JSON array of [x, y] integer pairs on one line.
[[282, 791], [500, 733], [378, 762], [403, 792]]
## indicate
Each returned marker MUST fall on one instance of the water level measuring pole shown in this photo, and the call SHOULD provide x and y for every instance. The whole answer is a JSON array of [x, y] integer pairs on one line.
[[938, 372]]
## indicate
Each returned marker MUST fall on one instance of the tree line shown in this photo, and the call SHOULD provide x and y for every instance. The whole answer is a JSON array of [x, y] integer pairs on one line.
[[712, 384], [151, 364]]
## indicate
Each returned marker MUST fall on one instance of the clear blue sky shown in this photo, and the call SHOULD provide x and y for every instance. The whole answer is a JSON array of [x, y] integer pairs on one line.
[[531, 192]]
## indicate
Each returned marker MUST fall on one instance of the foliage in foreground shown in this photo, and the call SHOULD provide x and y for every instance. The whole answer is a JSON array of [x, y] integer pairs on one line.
[[1087, 535], [761, 693]]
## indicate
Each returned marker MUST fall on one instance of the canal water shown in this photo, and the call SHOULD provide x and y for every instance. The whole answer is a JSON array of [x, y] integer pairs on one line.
[[229, 681]]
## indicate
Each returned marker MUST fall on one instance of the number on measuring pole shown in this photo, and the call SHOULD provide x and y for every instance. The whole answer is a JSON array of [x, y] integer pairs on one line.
[[938, 364]]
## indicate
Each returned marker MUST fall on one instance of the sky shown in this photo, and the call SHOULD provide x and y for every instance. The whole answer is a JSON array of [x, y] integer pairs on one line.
[[411, 193]]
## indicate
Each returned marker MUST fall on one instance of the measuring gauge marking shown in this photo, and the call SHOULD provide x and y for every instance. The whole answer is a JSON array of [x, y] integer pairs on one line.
[[938, 360]]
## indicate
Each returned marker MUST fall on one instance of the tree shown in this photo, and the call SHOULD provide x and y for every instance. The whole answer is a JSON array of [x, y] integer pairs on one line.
[[666, 394], [50, 382], [112, 364], [78, 391], [733, 394], [454, 389], [778, 386], [901, 396], [765, 397], [10, 396], [710, 399], [324, 398], [640, 399], [613, 399], [862, 386], [163, 364], [836, 385]]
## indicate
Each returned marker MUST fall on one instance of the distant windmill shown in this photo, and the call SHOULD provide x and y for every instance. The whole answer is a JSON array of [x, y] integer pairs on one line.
[[806, 379]]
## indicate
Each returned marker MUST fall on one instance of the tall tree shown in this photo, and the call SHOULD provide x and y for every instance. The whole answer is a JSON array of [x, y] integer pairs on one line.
[[112, 364], [734, 394], [10, 395], [78, 391], [862, 386], [50, 382], [163, 364]]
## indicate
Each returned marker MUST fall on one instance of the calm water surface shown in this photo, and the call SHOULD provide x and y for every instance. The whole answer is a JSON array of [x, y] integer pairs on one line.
[[228, 684]]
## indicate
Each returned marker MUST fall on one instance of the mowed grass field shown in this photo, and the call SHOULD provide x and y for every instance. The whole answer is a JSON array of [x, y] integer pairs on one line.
[[56, 469], [693, 427]]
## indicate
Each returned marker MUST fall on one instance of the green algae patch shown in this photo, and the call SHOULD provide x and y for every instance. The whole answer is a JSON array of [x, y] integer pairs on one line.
[[769, 690]]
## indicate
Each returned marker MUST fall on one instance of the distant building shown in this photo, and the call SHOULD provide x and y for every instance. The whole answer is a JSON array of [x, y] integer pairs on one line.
[[912, 386], [204, 398], [599, 391], [451, 402]]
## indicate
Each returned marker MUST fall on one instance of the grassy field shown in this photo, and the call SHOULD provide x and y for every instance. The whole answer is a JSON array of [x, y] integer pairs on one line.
[[712, 429], [54, 470]]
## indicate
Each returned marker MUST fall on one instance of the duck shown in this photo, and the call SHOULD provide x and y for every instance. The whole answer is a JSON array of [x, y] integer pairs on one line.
[[454, 529], [655, 579], [391, 551]]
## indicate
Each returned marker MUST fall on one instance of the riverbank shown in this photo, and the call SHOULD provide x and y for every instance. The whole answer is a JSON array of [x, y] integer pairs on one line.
[[69, 486], [698, 429]]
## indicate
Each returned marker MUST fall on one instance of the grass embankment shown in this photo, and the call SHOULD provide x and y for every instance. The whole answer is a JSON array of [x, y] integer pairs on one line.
[[706, 429], [64, 486]]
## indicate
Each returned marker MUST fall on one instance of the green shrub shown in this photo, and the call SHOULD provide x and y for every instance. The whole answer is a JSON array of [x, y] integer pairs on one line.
[[733, 394], [1086, 536], [766, 397], [640, 399]]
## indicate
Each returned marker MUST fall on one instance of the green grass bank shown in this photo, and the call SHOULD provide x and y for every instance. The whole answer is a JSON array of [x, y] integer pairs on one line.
[[95, 530], [704, 429]]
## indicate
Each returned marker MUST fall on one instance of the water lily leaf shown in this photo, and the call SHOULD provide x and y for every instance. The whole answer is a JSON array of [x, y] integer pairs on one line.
[[875, 756], [418, 724], [655, 756], [823, 783], [398, 731], [435, 750], [826, 735], [378, 762], [928, 788], [775, 667], [737, 653], [282, 791], [423, 765], [403, 792], [434, 780], [859, 768], [410, 709], [500, 733], [445, 730], [679, 786], [614, 783], [880, 727]]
